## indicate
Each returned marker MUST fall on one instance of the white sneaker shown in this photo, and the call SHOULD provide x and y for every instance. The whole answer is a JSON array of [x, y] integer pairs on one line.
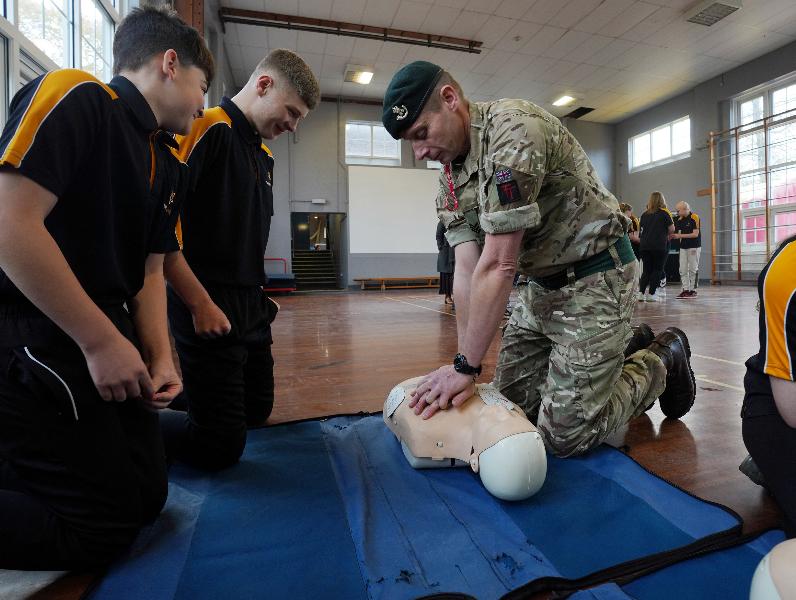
[[653, 298], [641, 296]]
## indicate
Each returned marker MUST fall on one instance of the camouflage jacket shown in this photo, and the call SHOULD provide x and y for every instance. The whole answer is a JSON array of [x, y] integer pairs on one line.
[[526, 171]]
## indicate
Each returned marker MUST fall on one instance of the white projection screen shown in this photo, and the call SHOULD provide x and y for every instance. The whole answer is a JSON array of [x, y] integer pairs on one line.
[[392, 210]]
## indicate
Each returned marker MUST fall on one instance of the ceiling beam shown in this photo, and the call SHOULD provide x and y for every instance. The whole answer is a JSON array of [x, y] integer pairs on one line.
[[384, 34]]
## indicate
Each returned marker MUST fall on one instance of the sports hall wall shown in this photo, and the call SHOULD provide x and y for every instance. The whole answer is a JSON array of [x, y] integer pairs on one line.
[[311, 164], [709, 106]]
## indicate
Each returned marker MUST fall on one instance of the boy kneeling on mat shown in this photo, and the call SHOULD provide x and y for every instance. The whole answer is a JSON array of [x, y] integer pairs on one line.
[[89, 194]]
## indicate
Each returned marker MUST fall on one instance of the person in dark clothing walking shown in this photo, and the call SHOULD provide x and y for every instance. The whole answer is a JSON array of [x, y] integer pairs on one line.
[[445, 263], [656, 227]]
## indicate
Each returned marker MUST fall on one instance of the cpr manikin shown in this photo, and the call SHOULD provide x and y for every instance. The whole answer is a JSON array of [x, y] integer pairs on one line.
[[775, 577], [487, 432]]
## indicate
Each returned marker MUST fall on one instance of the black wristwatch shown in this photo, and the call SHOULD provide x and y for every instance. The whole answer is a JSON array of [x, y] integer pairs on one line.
[[461, 365]]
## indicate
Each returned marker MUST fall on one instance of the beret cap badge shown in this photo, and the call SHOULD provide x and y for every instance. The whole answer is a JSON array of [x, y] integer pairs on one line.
[[400, 111], [407, 94]]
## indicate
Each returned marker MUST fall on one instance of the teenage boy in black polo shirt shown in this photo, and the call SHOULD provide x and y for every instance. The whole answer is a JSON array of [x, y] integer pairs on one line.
[[688, 235], [88, 200], [218, 312]]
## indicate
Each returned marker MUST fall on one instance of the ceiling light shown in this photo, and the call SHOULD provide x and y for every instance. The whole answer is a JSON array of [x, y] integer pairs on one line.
[[358, 74], [563, 101]]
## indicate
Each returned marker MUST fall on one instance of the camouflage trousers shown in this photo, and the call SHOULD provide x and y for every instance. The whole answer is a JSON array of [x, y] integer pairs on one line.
[[562, 360]]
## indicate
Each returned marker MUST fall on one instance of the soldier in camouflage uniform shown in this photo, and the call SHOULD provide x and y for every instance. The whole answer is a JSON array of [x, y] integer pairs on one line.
[[518, 191]]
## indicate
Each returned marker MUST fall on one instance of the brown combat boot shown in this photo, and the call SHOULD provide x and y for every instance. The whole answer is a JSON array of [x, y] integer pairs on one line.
[[642, 337], [673, 349]]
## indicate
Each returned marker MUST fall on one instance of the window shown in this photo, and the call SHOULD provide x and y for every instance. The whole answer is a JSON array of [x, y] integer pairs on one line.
[[47, 24], [764, 161], [755, 229], [663, 144], [370, 144], [96, 40], [4, 80], [29, 68], [784, 225]]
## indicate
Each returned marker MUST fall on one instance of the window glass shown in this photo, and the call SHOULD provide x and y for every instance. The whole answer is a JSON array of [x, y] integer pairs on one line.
[[46, 23], [681, 136], [96, 43], [641, 150]]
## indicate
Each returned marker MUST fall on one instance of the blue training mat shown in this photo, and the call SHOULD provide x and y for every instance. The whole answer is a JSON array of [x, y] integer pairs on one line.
[[331, 509], [725, 574]]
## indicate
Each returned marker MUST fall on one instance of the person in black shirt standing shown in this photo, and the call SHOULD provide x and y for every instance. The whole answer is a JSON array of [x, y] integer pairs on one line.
[[219, 315], [656, 227], [89, 194], [689, 236]]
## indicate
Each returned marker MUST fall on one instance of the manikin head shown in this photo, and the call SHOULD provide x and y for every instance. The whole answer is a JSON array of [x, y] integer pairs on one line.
[[775, 577], [167, 61], [487, 432], [279, 93]]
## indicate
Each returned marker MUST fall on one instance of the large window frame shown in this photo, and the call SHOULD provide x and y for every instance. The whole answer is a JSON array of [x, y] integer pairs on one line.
[[660, 145], [22, 60], [372, 156], [766, 166]]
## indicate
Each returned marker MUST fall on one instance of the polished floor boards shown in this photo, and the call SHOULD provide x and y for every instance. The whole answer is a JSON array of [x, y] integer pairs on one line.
[[343, 352]]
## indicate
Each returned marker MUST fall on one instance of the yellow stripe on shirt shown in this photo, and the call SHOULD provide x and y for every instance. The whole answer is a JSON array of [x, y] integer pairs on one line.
[[778, 292], [210, 117], [53, 88]]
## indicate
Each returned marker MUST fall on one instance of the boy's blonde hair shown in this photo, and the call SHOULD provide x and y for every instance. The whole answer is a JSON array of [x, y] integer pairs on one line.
[[295, 71]]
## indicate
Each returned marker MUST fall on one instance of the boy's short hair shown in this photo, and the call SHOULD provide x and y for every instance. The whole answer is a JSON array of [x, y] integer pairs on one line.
[[295, 71], [150, 30]]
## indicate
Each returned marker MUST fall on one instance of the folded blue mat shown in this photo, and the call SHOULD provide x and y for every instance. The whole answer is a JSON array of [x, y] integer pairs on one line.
[[331, 509], [725, 574]]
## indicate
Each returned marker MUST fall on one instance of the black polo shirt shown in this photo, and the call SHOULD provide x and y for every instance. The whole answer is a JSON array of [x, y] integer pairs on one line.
[[777, 323], [689, 224], [226, 218], [655, 230], [96, 147]]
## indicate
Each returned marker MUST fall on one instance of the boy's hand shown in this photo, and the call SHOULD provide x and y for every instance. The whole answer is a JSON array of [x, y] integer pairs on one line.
[[167, 385], [117, 370], [209, 321]]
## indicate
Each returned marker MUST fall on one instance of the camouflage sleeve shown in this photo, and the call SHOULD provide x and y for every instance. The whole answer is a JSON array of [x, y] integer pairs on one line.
[[457, 229], [516, 165]]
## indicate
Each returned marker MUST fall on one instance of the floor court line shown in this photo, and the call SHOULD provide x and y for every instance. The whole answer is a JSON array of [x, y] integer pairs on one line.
[[721, 360], [418, 306], [719, 383]]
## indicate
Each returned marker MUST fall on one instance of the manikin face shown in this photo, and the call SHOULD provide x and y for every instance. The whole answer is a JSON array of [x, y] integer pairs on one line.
[[184, 95], [278, 107], [440, 134]]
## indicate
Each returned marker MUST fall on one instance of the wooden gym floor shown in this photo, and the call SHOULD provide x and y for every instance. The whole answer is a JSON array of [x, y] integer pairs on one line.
[[342, 352]]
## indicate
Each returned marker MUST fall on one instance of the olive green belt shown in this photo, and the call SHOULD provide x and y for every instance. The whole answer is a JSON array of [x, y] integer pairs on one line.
[[617, 254]]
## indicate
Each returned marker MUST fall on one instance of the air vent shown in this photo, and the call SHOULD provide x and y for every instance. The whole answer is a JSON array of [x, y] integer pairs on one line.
[[711, 12], [578, 112]]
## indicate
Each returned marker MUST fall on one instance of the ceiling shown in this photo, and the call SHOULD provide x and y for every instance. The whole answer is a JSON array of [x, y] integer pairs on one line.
[[617, 56]]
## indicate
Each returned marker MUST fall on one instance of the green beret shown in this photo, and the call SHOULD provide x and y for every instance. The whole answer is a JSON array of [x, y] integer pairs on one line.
[[407, 95]]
